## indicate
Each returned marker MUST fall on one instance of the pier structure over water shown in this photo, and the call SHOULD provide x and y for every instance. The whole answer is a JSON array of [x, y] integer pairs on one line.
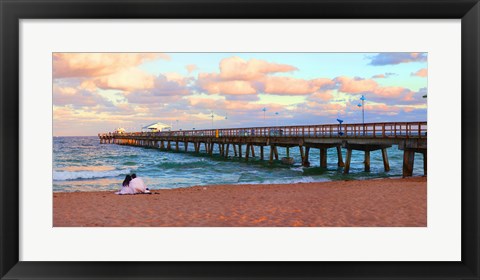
[[411, 137]]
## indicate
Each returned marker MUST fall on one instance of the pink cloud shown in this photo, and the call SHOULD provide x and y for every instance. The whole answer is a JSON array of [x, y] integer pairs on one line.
[[212, 83], [410, 96], [236, 68], [191, 67], [98, 64], [179, 79], [240, 77], [293, 86], [322, 109], [127, 80], [322, 96], [231, 87], [356, 85], [77, 97], [389, 91], [288, 86], [421, 73], [379, 76]]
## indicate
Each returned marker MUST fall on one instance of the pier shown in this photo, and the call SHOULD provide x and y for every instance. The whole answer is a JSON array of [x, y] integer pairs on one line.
[[411, 138]]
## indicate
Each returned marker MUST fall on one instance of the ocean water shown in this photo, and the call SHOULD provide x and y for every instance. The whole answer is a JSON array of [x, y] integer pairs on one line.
[[83, 164]]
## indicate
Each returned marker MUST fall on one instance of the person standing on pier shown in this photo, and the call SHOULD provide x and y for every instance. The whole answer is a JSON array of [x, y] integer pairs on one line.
[[138, 185]]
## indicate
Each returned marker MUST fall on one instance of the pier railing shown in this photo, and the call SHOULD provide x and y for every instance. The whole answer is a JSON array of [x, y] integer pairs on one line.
[[367, 130]]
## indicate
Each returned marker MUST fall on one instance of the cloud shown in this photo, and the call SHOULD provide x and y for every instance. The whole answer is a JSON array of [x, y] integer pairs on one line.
[[383, 76], [165, 88], [78, 97], [355, 85], [212, 83], [191, 67], [390, 92], [373, 90], [98, 64], [421, 73], [127, 80], [204, 102], [241, 77], [147, 97], [293, 86], [236, 68], [321, 96], [314, 108], [396, 58], [379, 76]]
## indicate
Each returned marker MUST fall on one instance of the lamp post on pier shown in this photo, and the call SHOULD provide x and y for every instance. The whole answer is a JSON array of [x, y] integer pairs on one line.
[[363, 111]]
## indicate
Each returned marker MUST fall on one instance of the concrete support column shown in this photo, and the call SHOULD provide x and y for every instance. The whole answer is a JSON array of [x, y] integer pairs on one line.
[[247, 152], [340, 157], [408, 158], [386, 165], [261, 152], [305, 160], [425, 163], [348, 160], [367, 161], [222, 149], [323, 157], [302, 154], [253, 150], [271, 153], [226, 151]]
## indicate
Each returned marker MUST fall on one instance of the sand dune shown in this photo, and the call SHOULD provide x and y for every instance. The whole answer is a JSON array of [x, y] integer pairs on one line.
[[369, 203]]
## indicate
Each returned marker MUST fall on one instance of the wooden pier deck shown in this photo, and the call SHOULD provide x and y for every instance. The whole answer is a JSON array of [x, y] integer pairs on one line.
[[411, 137]]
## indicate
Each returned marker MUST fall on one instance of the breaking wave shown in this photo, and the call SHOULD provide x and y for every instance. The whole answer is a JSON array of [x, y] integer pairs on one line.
[[76, 175]]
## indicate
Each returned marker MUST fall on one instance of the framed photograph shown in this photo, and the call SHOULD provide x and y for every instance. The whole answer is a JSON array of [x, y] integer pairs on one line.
[[239, 140]]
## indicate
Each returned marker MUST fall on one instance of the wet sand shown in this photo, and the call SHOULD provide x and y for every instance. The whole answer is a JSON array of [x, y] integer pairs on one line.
[[359, 203]]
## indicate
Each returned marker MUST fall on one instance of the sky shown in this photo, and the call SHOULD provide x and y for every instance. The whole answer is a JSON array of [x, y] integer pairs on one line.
[[99, 92]]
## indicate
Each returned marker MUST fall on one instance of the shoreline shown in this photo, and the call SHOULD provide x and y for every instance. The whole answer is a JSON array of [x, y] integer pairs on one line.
[[249, 184], [383, 202]]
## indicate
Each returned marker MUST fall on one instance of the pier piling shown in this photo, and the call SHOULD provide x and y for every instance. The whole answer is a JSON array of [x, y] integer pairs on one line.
[[323, 157], [367, 161], [340, 157], [386, 164]]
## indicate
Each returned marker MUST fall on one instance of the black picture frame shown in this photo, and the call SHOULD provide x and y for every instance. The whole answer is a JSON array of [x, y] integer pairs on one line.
[[12, 11]]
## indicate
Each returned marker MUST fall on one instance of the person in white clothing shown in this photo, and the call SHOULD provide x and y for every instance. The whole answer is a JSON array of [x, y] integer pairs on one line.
[[126, 188], [138, 185]]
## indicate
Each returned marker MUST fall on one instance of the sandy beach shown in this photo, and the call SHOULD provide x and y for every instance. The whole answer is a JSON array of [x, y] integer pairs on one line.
[[359, 203]]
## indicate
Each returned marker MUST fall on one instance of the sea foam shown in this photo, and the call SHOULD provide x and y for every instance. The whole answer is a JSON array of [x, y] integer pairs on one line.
[[76, 175]]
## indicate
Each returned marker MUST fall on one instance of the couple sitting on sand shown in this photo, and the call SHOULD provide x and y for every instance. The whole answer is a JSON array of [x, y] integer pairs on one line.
[[133, 185]]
